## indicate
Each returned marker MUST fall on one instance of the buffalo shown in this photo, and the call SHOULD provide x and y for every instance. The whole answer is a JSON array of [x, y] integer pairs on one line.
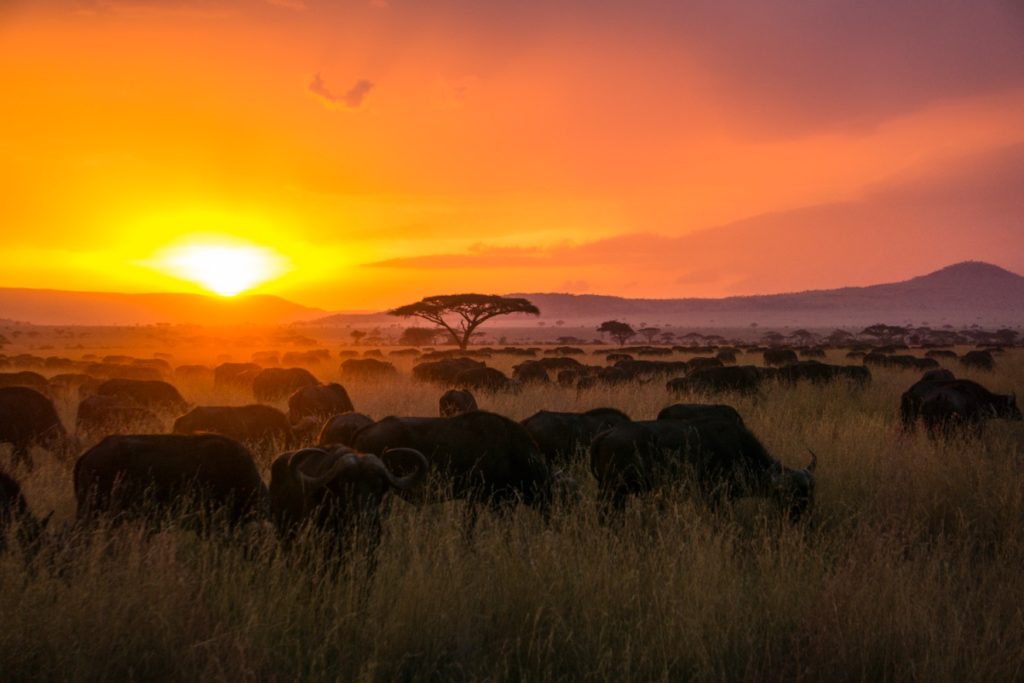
[[147, 475], [743, 379], [456, 402], [27, 419], [979, 360], [944, 404], [235, 375], [25, 378], [319, 401], [154, 395], [779, 357], [367, 370], [725, 459], [252, 424], [559, 434], [99, 416], [445, 370], [273, 384], [700, 411], [482, 379], [341, 429], [338, 491], [479, 456], [531, 373]]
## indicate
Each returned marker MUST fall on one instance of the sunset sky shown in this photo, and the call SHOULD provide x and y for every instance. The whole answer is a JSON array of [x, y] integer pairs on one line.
[[363, 154]]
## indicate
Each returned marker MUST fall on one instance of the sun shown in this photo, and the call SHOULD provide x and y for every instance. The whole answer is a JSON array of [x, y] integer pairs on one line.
[[224, 268]]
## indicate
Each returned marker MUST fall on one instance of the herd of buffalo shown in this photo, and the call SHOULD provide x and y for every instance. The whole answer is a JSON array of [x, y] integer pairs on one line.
[[339, 465]]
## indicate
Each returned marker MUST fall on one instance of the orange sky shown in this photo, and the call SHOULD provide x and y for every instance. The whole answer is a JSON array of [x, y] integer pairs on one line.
[[391, 149]]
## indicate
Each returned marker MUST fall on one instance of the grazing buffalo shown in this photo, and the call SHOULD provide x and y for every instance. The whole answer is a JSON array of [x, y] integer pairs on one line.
[[726, 355], [531, 373], [27, 419], [479, 456], [253, 424], [774, 358], [341, 429], [941, 353], [320, 401], [979, 360], [338, 491], [701, 362], [456, 402], [25, 378], [445, 370], [701, 411], [559, 434], [821, 373], [901, 362], [725, 459], [273, 384], [147, 475], [367, 370], [235, 375], [100, 416], [14, 511], [154, 395], [483, 379], [743, 379], [944, 404], [193, 373]]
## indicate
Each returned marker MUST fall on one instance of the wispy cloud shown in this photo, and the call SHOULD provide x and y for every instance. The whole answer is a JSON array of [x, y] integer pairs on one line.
[[353, 98]]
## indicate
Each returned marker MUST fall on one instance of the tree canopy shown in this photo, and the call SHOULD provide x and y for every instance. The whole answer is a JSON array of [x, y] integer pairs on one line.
[[617, 330], [461, 314]]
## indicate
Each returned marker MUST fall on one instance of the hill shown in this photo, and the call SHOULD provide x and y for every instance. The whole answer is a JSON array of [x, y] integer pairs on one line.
[[963, 293], [55, 307]]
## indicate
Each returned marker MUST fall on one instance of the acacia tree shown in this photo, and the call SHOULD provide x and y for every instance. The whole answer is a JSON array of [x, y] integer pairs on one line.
[[461, 314], [617, 330], [649, 333]]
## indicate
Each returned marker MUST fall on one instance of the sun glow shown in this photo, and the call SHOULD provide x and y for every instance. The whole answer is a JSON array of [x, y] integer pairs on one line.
[[226, 269]]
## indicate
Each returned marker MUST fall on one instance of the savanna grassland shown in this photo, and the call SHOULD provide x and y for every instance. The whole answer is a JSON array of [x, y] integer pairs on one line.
[[909, 567]]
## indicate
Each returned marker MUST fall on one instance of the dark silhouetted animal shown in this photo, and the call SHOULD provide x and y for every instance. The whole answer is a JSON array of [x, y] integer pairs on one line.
[[779, 357], [479, 456], [700, 411], [320, 401], [744, 379], [148, 475], [444, 371], [273, 384], [367, 369], [559, 434], [235, 375], [979, 360], [252, 424], [338, 491], [482, 379], [944, 404], [531, 373], [724, 459], [156, 396], [27, 419], [456, 402], [342, 429], [25, 378]]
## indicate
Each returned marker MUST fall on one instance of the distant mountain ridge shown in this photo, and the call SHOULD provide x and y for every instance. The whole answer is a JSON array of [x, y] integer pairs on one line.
[[57, 307], [963, 293]]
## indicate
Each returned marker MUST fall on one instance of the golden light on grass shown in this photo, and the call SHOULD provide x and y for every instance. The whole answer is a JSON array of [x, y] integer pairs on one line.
[[223, 267]]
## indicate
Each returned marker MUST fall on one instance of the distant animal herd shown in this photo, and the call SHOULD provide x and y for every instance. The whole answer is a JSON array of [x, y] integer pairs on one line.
[[337, 465]]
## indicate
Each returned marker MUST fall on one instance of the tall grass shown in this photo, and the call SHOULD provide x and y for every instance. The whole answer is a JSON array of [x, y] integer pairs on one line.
[[908, 569]]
